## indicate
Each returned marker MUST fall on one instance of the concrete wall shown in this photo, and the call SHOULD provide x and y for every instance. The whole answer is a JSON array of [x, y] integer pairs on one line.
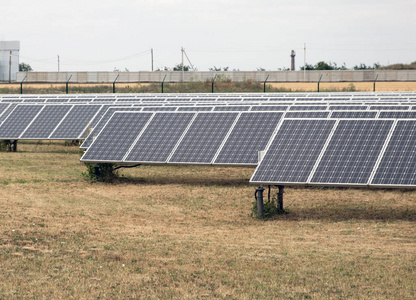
[[260, 76]]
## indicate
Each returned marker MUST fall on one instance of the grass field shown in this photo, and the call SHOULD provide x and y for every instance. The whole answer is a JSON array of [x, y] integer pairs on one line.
[[186, 232], [223, 86]]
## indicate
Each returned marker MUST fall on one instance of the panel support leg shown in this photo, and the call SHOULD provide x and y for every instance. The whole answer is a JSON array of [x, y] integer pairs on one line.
[[280, 197], [259, 199], [14, 146]]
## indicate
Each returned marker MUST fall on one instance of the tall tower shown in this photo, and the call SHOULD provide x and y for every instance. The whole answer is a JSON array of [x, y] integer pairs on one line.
[[9, 60], [292, 60]]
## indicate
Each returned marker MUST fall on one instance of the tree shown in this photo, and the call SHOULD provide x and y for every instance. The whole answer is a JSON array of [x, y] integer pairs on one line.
[[25, 67], [215, 69], [178, 67]]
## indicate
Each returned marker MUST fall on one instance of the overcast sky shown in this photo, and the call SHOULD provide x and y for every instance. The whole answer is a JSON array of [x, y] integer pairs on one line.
[[101, 35]]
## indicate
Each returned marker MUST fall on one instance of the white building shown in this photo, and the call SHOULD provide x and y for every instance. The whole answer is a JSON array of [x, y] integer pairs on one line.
[[9, 60]]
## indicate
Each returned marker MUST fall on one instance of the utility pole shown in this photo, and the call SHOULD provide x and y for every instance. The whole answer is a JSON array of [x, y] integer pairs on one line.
[[186, 55], [10, 67], [151, 55], [182, 50], [304, 62], [58, 64]]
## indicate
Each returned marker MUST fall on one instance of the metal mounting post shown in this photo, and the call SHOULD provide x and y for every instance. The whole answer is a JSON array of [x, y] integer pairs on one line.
[[21, 85], [97, 171], [374, 84], [212, 83], [163, 81], [114, 84], [259, 199], [319, 82], [280, 197], [264, 84], [67, 83]]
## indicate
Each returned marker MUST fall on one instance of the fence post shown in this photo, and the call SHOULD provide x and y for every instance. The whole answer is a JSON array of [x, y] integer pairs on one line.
[[21, 85], [212, 83], [264, 86], [374, 84], [67, 84], [163, 81], [114, 84], [319, 82]]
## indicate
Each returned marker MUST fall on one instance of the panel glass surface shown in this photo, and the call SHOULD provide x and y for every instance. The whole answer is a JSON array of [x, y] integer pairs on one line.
[[196, 108], [307, 114], [397, 114], [293, 151], [116, 138], [72, 127], [364, 114], [18, 120], [250, 134], [307, 107], [204, 137], [160, 137], [398, 164], [352, 152], [231, 108], [101, 123], [269, 108], [46, 121]]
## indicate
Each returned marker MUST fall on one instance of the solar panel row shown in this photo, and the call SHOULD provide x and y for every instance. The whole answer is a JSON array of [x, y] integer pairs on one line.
[[185, 137], [341, 153]]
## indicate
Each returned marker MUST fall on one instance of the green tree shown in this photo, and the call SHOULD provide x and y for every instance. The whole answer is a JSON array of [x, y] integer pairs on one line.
[[25, 67], [178, 67]]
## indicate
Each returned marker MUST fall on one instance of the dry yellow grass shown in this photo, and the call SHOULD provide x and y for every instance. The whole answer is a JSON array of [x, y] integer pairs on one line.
[[381, 86], [185, 232]]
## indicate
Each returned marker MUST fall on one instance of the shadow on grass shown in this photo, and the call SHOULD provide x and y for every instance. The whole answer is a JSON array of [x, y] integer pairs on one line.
[[191, 181], [344, 213]]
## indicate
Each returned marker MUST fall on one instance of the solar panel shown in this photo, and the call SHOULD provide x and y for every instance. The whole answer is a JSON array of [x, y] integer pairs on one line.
[[160, 108], [231, 108], [116, 138], [352, 152], [196, 108], [348, 107], [293, 152], [46, 122], [389, 107], [307, 114], [391, 114], [75, 122], [398, 164], [103, 120], [269, 108], [250, 134], [18, 120], [204, 137], [361, 114], [160, 137], [7, 111], [308, 107]]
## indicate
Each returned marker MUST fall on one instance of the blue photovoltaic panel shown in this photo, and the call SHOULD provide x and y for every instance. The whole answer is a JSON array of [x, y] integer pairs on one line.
[[160, 137], [7, 111], [398, 164], [293, 152], [231, 108], [308, 107], [3, 107], [160, 108], [348, 107], [203, 139], [389, 107], [116, 138], [75, 122], [46, 121], [352, 152], [269, 108], [196, 108], [362, 114], [391, 114], [250, 135], [103, 120], [18, 120], [307, 114]]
